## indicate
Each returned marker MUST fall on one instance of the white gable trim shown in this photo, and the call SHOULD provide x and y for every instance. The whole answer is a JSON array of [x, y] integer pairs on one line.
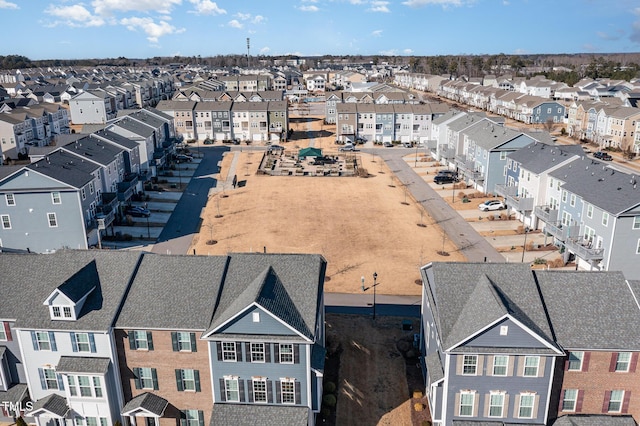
[[244, 311], [55, 293], [492, 324]]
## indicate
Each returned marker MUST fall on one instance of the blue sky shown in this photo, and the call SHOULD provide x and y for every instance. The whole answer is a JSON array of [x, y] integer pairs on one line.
[[67, 29]]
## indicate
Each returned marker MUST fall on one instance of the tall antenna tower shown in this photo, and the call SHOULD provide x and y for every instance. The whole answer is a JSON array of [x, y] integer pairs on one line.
[[248, 45]]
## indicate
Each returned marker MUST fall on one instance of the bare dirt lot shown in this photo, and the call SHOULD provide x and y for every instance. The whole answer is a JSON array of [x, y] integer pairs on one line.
[[378, 371], [360, 225]]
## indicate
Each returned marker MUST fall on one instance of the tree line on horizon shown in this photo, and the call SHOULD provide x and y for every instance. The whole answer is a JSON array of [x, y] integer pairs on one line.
[[618, 66]]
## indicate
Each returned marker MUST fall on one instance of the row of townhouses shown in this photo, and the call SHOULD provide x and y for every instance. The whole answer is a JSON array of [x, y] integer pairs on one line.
[[589, 210], [71, 192], [251, 118], [93, 338], [504, 345]]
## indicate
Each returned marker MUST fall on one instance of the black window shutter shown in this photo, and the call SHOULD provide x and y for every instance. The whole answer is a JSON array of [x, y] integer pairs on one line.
[[239, 351], [174, 341], [132, 341], [196, 378], [247, 350], [223, 395], [270, 391], [278, 391], [136, 378], [267, 352], [183, 418], [200, 418], [250, 389], [219, 350], [297, 387], [179, 380], [241, 390], [194, 346], [276, 353], [150, 340], [296, 354], [154, 376]]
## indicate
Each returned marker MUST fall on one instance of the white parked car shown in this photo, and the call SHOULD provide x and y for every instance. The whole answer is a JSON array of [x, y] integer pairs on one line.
[[492, 205]]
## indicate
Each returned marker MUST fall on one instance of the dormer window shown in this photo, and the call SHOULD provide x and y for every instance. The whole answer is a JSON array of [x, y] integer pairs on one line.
[[62, 313]]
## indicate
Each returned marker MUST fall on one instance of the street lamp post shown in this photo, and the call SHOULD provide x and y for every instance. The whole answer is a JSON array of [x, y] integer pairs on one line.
[[148, 230], [362, 281], [375, 276], [524, 247]]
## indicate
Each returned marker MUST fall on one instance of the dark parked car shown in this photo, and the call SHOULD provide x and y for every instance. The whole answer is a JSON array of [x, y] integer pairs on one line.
[[181, 158], [208, 142], [602, 156], [137, 211], [445, 176]]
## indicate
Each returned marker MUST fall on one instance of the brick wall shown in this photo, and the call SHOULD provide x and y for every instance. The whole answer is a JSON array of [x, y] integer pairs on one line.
[[596, 379], [166, 361]]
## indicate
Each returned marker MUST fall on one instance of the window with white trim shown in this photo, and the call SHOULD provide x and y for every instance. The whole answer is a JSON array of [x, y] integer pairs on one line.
[[638, 247], [53, 220], [259, 389], [564, 196], [500, 363], [526, 405], [184, 341], [605, 219], [82, 342], [191, 418], [615, 401], [496, 404], [572, 200], [3, 333], [288, 391], [50, 379], [188, 379], [231, 389], [623, 360], [257, 352], [42, 341], [531, 365], [11, 199], [575, 361], [470, 365], [140, 339], [286, 353], [229, 351], [146, 378], [636, 222], [93, 421], [85, 386], [6, 221], [467, 400], [589, 210], [569, 400]]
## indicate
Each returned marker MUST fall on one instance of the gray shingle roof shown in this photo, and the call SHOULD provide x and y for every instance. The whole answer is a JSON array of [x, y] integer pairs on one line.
[[115, 138], [15, 393], [146, 401], [591, 310], [94, 150], [265, 415], [176, 292], [287, 285], [80, 364], [65, 167], [434, 367], [594, 420], [538, 157], [469, 296], [610, 190], [53, 403], [24, 293]]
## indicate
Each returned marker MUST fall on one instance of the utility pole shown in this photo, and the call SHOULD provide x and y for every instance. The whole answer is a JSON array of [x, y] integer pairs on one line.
[[248, 45]]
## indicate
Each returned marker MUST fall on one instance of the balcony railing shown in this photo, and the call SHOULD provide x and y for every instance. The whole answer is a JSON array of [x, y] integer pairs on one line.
[[562, 232], [446, 152], [473, 175], [510, 193], [546, 214], [127, 187], [462, 163], [583, 249]]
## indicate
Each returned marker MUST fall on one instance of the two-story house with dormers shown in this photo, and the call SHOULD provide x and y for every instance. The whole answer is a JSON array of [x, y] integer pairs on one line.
[[64, 310], [266, 339], [166, 374], [487, 346]]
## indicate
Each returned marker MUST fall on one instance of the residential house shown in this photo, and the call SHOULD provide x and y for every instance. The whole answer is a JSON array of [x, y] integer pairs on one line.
[[92, 107], [278, 120], [346, 123], [488, 353], [183, 116], [14, 392], [598, 374], [64, 309]]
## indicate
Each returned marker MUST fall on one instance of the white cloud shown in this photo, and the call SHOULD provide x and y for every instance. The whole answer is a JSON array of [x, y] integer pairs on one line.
[[234, 23], [153, 30], [635, 29], [265, 50], [107, 7], [250, 18], [207, 7], [379, 6], [408, 51], [4, 4], [376, 33], [310, 8], [391, 52], [73, 16], [444, 3]]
